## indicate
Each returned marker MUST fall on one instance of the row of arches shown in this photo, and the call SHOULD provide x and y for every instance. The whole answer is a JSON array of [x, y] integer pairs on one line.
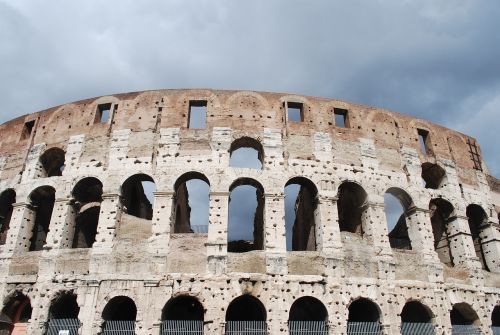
[[122, 310], [190, 211]]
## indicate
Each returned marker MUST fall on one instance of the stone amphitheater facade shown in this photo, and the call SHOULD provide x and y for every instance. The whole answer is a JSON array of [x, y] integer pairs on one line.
[[76, 229]]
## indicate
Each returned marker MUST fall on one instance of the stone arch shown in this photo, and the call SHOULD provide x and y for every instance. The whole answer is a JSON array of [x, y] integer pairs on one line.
[[246, 152], [463, 314], [433, 175], [52, 162], [495, 317], [246, 308], [64, 306], [183, 307], [415, 311], [15, 314], [133, 195], [87, 198], [301, 232], [251, 106], [238, 232], [398, 233], [386, 127], [477, 219], [308, 308], [351, 206], [363, 310], [184, 206], [7, 200], [42, 201], [442, 213], [120, 308]]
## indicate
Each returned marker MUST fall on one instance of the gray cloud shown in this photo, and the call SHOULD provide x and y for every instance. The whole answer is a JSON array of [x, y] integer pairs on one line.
[[438, 60]]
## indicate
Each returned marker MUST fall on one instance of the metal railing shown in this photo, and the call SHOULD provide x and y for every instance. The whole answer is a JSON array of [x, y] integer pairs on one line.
[[63, 326], [246, 328], [465, 330], [307, 327], [413, 328], [364, 328], [118, 327], [181, 327]]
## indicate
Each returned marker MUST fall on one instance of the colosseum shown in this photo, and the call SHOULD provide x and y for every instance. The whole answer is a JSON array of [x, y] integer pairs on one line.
[[236, 212]]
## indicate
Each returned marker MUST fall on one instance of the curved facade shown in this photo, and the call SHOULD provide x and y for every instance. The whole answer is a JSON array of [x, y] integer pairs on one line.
[[79, 232]]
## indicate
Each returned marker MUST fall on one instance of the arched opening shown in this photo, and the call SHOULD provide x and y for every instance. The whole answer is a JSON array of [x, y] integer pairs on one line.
[[433, 175], [63, 315], [308, 315], [42, 202], [181, 314], [495, 320], [464, 320], [119, 315], [246, 216], [300, 214], [87, 196], [15, 315], [52, 161], [246, 152], [397, 203], [441, 212], [191, 203], [7, 200], [364, 315], [416, 319], [137, 196], [351, 206], [477, 219], [246, 314]]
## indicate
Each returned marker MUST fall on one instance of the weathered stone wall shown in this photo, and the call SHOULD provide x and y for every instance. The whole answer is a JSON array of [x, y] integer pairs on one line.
[[142, 259]]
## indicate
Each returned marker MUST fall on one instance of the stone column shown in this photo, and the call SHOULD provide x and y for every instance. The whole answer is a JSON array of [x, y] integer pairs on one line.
[[328, 237], [161, 223], [420, 232], [375, 227], [461, 244], [490, 241], [87, 301], [217, 232], [275, 234], [62, 225], [20, 228], [106, 229], [40, 311]]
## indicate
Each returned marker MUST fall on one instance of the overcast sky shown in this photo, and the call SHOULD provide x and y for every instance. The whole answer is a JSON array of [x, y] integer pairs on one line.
[[438, 60]]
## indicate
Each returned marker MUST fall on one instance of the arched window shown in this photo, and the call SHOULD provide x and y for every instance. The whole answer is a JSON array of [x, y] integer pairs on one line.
[[477, 219], [7, 199], [42, 199], [63, 315], [351, 206], [15, 315], [300, 214], [495, 320], [119, 314], [246, 313], [441, 212], [364, 315], [246, 216], [397, 203], [416, 319], [137, 196], [192, 191], [181, 313], [246, 152], [87, 196], [433, 175], [52, 161], [464, 320], [308, 315]]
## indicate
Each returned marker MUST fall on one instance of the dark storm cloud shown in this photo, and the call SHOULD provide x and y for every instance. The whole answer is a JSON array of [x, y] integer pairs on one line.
[[438, 60]]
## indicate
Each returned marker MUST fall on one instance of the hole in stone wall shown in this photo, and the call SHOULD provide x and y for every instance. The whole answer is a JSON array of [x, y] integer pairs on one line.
[[495, 317], [415, 312], [197, 117], [52, 162], [87, 196], [64, 306], [363, 310], [27, 130], [433, 175], [246, 308], [295, 111], [397, 203], [120, 308], [192, 191], [477, 218], [308, 309], [441, 212], [351, 206], [463, 314], [103, 113], [424, 142], [137, 196], [246, 216], [42, 199], [246, 152], [340, 116], [7, 199], [300, 214], [17, 310], [183, 308]]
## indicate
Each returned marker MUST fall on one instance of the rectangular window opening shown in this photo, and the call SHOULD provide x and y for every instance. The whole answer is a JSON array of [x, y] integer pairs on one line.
[[103, 113], [197, 117], [295, 111], [340, 115], [423, 139], [27, 129]]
